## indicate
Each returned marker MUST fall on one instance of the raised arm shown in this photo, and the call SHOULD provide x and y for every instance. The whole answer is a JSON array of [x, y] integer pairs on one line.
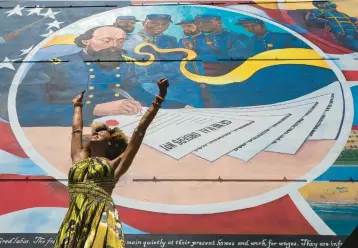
[[77, 126], [124, 161]]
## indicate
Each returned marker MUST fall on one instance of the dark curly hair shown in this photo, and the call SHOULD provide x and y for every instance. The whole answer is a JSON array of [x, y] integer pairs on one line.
[[118, 140]]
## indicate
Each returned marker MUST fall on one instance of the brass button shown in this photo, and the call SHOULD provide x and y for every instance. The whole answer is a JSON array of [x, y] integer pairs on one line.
[[117, 95], [88, 63], [118, 85], [88, 102], [117, 75], [118, 67], [92, 76], [91, 69], [91, 96], [91, 87]]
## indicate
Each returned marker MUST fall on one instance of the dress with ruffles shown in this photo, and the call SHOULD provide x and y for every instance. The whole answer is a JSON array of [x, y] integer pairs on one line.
[[92, 219]]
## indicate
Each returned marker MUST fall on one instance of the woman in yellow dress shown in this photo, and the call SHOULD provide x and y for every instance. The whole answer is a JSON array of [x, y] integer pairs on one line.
[[92, 218]]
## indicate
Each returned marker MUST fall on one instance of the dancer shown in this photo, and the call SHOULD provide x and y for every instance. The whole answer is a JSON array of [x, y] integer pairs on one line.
[[92, 218]]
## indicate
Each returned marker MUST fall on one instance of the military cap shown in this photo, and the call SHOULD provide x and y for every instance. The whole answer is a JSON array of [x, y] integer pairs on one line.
[[154, 17], [249, 20], [207, 17], [182, 22], [127, 18]]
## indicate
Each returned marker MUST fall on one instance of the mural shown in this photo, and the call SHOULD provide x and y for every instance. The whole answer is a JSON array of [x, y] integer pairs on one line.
[[259, 118]]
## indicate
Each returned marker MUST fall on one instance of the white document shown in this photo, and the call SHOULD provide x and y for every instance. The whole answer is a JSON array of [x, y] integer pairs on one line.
[[222, 145], [329, 126], [179, 134], [292, 139], [176, 132], [250, 149]]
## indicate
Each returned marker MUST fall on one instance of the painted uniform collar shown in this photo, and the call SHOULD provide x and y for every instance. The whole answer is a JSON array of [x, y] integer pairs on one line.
[[150, 36], [262, 36], [194, 36], [219, 32]]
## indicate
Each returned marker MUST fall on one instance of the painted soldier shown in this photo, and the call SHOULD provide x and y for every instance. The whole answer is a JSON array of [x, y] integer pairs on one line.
[[165, 64], [101, 67], [192, 32], [127, 24], [342, 26], [264, 40], [215, 45]]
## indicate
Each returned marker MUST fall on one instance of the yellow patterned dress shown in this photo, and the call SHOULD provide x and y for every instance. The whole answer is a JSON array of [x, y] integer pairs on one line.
[[92, 219]]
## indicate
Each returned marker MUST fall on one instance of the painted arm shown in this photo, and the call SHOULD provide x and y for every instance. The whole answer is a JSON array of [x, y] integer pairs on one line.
[[77, 153], [124, 161], [315, 17]]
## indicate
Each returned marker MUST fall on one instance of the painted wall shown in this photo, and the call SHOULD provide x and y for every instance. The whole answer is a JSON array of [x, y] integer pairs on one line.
[[260, 93]]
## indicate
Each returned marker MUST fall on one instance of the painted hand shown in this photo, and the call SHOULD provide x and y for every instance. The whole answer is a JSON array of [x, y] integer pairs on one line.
[[120, 107]]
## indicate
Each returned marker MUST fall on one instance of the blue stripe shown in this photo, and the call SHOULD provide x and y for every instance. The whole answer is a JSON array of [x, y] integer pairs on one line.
[[339, 173]]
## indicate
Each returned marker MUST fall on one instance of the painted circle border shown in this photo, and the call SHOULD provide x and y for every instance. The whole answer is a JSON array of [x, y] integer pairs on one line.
[[198, 208]]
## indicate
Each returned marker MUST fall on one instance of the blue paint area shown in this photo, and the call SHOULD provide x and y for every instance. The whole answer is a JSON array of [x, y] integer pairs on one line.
[[339, 173], [2, 120], [131, 230], [41, 220], [10, 164], [354, 91], [341, 218], [271, 85]]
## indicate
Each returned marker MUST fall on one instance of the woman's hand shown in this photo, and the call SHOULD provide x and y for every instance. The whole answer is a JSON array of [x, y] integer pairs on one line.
[[78, 98], [163, 84]]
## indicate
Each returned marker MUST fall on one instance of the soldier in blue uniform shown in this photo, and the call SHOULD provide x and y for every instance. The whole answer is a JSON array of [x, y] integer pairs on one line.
[[264, 40], [342, 26], [267, 86], [127, 24], [192, 32], [44, 96], [216, 44], [165, 64]]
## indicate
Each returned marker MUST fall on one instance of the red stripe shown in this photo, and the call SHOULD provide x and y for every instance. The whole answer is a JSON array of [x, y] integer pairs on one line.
[[268, 218], [277, 217], [19, 195], [351, 75], [327, 46], [8, 141], [354, 127]]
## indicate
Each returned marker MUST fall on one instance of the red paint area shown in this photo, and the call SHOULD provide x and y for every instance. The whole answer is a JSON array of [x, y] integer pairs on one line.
[[112, 123], [19, 195], [277, 217], [8, 141], [351, 75]]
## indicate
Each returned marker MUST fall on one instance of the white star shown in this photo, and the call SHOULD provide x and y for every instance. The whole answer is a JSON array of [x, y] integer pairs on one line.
[[16, 10], [36, 10], [7, 64], [26, 51], [54, 24], [48, 34], [50, 14]]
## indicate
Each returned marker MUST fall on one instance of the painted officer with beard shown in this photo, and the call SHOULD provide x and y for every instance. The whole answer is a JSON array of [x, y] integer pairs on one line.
[[44, 96]]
